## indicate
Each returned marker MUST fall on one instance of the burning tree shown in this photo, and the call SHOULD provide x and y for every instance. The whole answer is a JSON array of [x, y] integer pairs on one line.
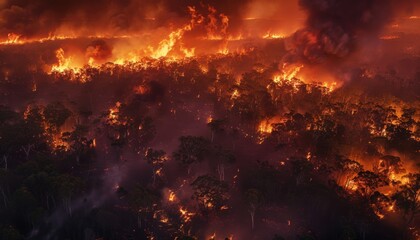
[[407, 198], [367, 182], [156, 158]]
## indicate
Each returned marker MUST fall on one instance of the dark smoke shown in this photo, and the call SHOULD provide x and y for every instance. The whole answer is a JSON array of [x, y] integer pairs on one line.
[[99, 50], [334, 27]]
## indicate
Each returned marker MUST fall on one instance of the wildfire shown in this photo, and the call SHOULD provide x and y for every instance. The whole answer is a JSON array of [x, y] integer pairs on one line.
[[330, 86], [185, 215], [265, 127], [172, 196], [235, 94], [12, 38], [288, 73], [158, 172], [65, 64], [113, 113], [212, 237], [166, 45], [391, 207], [270, 35], [57, 142], [351, 185], [308, 156], [161, 216], [379, 214]]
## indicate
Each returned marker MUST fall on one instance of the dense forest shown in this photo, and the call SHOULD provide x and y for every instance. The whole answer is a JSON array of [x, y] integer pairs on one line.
[[183, 150]]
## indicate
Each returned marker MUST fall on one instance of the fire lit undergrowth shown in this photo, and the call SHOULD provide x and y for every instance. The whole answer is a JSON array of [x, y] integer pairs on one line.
[[191, 149]]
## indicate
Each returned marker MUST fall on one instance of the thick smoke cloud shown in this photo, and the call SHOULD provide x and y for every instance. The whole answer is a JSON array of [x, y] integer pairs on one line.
[[334, 27]]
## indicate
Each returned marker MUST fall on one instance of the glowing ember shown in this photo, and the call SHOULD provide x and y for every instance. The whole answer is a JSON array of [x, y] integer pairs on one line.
[[185, 215], [172, 196]]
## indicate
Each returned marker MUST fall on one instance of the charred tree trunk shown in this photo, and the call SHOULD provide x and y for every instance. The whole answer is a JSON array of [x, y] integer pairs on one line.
[[221, 171], [4, 197], [251, 211], [27, 149], [5, 162]]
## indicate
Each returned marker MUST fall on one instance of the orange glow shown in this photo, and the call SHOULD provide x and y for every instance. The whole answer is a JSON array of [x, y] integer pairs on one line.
[[63, 62], [235, 94], [185, 215], [212, 237], [308, 156], [12, 38], [288, 73], [270, 35], [330, 86], [389, 37], [351, 185], [172, 196], [379, 214], [224, 208], [113, 113], [265, 127]]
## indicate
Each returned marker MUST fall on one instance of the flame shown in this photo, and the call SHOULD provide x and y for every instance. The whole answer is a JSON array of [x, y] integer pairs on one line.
[[113, 113], [159, 172], [172, 196], [63, 62], [351, 185], [379, 214], [164, 219], [224, 207], [235, 94], [308, 156], [34, 87], [57, 142], [391, 207], [330, 86], [212, 237], [270, 35], [166, 45], [12, 38], [265, 127], [140, 90], [185, 215], [288, 73]]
